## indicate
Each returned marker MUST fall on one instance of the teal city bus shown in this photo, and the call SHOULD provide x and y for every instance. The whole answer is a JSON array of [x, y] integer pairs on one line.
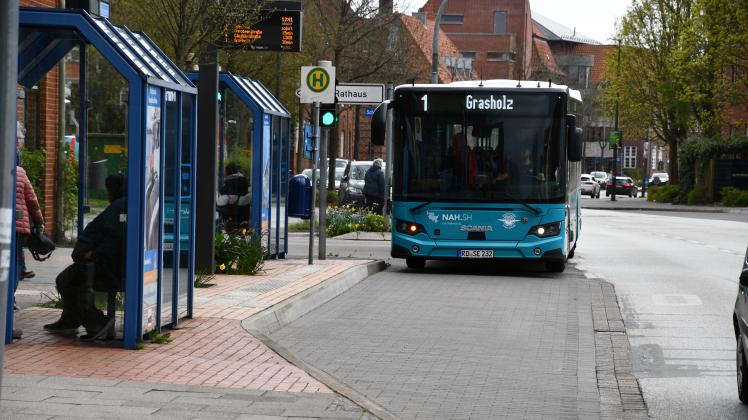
[[484, 170]]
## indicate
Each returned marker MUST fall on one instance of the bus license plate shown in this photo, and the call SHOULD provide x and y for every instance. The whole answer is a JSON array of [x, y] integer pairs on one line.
[[476, 253]]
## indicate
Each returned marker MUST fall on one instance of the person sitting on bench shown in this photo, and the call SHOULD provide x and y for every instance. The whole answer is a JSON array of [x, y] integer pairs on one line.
[[101, 243]]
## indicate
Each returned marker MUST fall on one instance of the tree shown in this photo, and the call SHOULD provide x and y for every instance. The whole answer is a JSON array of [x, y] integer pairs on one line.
[[362, 38], [181, 27], [721, 29], [651, 88]]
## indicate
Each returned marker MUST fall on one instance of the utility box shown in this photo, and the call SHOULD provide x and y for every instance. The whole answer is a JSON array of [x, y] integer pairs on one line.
[[300, 197]]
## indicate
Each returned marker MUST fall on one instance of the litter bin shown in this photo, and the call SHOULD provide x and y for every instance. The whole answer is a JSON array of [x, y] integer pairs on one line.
[[300, 197]]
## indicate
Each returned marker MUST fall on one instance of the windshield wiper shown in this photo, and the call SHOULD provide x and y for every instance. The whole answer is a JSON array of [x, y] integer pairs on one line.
[[420, 206], [518, 201]]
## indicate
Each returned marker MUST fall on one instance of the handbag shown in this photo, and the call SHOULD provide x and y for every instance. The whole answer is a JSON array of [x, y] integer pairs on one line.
[[39, 244]]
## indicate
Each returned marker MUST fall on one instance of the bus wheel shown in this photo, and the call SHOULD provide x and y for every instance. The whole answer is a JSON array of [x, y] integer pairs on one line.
[[555, 267], [415, 263]]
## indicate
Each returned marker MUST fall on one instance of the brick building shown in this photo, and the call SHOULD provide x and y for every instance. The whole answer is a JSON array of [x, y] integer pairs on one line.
[[495, 34]]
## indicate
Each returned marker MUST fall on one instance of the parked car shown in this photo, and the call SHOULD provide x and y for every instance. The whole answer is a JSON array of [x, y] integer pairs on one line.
[[352, 183], [624, 186], [601, 178], [659, 178], [590, 186], [338, 176], [739, 316]]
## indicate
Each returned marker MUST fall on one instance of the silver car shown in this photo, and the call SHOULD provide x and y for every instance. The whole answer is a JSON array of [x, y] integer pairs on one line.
[[601, 178], [589, 186]]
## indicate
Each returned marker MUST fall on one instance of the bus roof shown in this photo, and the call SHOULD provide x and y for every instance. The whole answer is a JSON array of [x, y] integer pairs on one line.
[[502, 84]]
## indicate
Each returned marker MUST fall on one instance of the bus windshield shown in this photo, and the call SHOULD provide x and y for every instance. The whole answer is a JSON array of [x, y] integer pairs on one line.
[[481, 146]]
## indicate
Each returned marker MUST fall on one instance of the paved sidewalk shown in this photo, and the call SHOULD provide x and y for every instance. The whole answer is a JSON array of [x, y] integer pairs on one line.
[[213, 368]]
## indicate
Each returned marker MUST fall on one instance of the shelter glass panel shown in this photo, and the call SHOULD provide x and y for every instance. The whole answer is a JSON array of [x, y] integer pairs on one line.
[[235, 147], [105, 139], [171, 199], [185, 194], [275, 185]]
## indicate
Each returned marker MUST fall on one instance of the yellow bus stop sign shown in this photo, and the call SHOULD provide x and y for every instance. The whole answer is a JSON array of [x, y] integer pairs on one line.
[[317, 84], [318, 80]]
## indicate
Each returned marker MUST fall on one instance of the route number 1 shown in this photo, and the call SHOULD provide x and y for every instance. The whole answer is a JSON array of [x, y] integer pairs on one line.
[[425, 99]]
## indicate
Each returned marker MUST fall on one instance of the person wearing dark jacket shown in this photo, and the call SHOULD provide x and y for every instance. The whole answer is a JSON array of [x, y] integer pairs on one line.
[[101, 243], [374, 187], [234, 199]]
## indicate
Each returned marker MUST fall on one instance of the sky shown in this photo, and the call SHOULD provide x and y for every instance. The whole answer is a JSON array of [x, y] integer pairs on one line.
[[594, 18]]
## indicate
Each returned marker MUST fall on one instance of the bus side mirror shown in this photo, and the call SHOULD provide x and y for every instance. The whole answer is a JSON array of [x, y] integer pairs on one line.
[[378, 124], [574, 142]]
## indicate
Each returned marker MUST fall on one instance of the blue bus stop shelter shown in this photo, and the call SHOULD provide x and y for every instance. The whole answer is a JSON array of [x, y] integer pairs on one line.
[[270, 152], [160, 144]]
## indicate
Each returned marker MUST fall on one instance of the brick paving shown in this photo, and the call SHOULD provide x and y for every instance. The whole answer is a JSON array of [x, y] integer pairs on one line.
[[210, 350]]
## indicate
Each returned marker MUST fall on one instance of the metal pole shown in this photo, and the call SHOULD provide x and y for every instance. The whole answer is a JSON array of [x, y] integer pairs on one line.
[[206, 160], [323, 195], [8, 80], [435, 56], [615, 148], [315, 145], [389, 150]]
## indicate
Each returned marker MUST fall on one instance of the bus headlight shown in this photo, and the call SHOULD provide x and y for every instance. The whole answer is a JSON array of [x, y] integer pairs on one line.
[[546, 230], [409, 228]]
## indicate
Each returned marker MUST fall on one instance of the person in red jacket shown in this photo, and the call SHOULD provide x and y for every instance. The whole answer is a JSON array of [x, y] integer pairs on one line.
[[27, 209]]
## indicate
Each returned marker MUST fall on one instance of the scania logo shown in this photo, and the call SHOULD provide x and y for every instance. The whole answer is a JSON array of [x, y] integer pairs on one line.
[[508, 220], [470, 228]]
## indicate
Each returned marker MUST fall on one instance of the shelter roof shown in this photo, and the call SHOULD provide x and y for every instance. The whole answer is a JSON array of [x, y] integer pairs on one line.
[[47, 35], [252, 90], [264, 99]]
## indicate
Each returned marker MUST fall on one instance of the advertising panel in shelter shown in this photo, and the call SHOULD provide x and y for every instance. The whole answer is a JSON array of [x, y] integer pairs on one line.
[[152, 208]]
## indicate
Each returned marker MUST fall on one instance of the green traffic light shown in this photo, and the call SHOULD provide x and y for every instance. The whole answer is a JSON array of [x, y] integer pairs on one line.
[[328, 118]]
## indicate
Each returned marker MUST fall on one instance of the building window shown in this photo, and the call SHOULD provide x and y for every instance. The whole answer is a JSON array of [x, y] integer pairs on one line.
[[452, 20], [468, 54], [629, 157], [499, 56], [584, 77], [579, 75], [499, 23]]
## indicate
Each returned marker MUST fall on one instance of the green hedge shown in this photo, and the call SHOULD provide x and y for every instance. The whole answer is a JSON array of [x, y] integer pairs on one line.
[[733, 197], [663, 194]]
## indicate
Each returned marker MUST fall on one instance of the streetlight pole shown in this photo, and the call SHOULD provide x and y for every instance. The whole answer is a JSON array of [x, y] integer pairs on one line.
[[435, 49], [615, 145]]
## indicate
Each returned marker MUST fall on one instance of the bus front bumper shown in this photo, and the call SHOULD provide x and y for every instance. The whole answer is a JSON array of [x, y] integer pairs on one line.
[[531, 248]]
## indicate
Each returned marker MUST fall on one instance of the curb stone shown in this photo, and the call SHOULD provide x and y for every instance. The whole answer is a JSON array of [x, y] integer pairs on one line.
[[263, 324], [620, 391]]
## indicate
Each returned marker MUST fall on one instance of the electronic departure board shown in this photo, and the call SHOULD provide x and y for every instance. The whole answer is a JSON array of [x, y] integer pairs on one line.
[[279, 30]]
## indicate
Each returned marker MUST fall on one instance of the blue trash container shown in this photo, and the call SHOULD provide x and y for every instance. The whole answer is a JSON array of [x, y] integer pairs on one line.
[[300, 197]]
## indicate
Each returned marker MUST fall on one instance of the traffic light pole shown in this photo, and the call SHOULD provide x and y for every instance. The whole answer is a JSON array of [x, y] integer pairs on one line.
[[315, 146], [322, 246]]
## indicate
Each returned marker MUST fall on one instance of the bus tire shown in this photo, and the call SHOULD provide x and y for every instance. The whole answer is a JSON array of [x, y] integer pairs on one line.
[[555, 267], [415, 263]]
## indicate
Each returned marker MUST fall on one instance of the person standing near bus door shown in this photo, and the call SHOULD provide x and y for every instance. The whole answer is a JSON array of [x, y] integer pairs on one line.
[[374, 187]]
